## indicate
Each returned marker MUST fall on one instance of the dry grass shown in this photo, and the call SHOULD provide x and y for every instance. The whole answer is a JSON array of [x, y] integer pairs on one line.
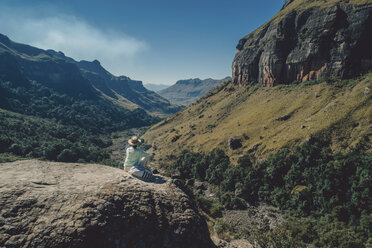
[[307, 4], [341, 114]]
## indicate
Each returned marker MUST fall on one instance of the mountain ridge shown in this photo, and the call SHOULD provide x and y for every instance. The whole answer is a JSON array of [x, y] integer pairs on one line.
[[122, 86], [37, 85], [25, 70], [187, 91], [122, 89]]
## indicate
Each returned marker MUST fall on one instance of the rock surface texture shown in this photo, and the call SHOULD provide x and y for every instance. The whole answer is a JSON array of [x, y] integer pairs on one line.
[[307, 40], [47, 204]]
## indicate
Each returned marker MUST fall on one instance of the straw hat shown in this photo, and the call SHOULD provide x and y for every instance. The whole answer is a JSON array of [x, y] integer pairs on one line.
[[134, 141]]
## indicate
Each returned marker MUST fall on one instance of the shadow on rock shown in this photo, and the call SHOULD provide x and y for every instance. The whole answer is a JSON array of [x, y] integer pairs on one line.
[[158, 180]]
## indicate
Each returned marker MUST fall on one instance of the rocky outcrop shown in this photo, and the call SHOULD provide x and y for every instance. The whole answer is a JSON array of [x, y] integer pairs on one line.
[[307, 40], [45, 204]]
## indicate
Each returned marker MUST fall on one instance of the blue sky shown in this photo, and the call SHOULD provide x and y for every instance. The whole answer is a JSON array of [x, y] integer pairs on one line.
[[156, 41]]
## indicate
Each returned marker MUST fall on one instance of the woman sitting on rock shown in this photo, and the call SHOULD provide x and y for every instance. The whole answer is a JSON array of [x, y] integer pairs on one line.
[[136, 161]]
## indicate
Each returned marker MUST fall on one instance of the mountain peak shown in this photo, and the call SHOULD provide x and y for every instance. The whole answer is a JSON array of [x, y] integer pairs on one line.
[[95, 66], [96, 62], [287, 2], [4, 39]]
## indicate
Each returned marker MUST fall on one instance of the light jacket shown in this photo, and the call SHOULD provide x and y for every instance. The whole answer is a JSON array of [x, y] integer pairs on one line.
[[134, 156]]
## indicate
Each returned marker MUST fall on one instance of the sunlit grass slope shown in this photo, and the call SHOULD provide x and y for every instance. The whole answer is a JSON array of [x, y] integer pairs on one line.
[[339, 111]]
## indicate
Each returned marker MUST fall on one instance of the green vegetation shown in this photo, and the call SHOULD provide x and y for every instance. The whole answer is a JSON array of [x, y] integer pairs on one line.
[[322, 232], [331, 191], [96, 115], [32, 137], [211, 207], [39, 122]]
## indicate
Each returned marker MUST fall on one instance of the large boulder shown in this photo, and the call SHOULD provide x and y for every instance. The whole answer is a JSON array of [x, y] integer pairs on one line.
[[49, 204]]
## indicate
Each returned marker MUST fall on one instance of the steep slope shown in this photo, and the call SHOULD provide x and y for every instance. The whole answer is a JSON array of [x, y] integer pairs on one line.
[[122, 90], [47, 204], [267, 119], [36, 82], [19, 63], [309, 47], [307, 40], [187, 91]]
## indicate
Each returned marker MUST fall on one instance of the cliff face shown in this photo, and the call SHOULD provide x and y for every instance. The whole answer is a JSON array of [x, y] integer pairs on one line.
[[307, 40], [45, 204]]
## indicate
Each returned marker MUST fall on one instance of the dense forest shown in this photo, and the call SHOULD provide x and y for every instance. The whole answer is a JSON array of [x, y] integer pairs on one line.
[[92, 114], [39, 122], [328, 193]]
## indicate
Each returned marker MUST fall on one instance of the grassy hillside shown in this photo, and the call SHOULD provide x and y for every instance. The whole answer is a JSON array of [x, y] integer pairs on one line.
[[267, 119], [305, 4]]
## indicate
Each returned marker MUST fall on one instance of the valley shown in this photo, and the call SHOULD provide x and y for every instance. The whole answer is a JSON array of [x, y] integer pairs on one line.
[[291, 129], [278, 155], [55, 108]]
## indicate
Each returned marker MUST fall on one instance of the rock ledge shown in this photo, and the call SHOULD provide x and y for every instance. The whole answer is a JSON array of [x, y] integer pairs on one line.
[[48, 204]]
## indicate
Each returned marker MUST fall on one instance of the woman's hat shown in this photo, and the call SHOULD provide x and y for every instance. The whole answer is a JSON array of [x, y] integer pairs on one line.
[[134, 141]]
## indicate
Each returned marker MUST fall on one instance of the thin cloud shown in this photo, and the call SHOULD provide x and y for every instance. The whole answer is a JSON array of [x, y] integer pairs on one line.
[[75, 37]]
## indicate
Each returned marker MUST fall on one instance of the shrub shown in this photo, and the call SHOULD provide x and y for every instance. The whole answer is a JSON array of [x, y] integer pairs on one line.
[[311, 182], [67, 156], [230, 201], [211, 207]]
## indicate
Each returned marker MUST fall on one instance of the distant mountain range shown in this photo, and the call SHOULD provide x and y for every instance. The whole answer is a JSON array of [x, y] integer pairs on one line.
[[156, 87], [185, 92]]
